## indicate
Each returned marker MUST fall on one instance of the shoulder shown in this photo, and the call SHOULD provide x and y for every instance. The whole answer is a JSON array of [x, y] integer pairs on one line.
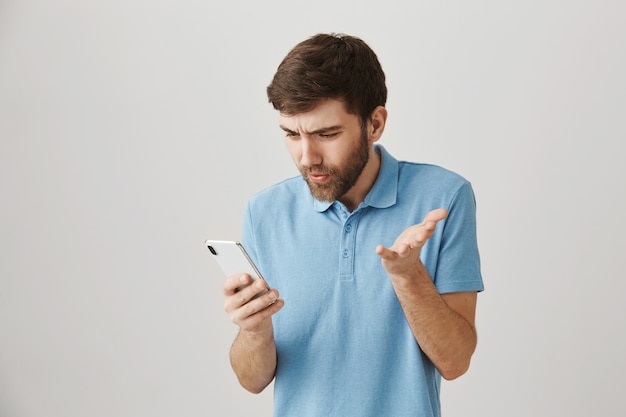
[[284, 192], [430, 179], [429, 172]]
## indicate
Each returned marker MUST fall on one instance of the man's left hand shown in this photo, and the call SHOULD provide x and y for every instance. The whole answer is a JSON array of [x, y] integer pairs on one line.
[[403, 257]]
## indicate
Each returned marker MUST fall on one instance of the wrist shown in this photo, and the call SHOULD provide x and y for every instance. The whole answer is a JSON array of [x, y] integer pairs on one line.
[[260, 334]]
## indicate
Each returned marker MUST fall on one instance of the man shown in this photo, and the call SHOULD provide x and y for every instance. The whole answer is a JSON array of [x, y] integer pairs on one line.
[[376, 260]]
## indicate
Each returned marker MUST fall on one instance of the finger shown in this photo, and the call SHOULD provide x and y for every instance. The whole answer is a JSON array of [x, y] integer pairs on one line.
[[243, 295], [435, 215], [255, 306], [250, 323], [429, 228], [234, 283], [260, 303], [420, 234], [405, 248], [425, 230]]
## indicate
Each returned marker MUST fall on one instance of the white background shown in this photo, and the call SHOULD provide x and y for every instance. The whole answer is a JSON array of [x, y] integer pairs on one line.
[[131, 131]]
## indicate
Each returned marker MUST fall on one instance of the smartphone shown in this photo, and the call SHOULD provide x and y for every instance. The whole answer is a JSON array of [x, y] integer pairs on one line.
[[233, 259]]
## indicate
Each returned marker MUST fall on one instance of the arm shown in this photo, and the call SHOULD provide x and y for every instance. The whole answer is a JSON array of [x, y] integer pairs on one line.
[[443, 325], [253, 353]]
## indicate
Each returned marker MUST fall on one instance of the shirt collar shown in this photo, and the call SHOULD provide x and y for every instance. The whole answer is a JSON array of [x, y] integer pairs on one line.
[[385, 189]]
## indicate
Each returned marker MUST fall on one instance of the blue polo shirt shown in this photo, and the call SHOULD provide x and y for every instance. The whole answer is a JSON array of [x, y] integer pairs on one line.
[[344, 346]]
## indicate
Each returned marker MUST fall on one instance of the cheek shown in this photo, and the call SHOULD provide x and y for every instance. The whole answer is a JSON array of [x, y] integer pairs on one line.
[[340, 153]]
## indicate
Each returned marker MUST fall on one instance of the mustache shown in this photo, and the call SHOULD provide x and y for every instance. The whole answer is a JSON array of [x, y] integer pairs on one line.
[[316, 169]]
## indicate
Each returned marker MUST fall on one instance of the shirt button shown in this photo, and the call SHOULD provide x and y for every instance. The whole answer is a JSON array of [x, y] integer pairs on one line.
[[348, 228], [346, 253]]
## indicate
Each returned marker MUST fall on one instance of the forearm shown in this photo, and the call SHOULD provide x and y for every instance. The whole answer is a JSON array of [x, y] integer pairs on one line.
[[253, 358], [445, 336]]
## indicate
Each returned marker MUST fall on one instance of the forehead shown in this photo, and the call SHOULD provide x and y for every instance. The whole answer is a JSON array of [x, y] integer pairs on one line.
[[327, 113]]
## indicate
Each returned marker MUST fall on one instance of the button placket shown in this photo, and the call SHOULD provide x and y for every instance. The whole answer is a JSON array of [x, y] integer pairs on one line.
[[347, 248]]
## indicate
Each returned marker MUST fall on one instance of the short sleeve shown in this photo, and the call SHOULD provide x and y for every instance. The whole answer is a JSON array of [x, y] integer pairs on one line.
[[458, 260]]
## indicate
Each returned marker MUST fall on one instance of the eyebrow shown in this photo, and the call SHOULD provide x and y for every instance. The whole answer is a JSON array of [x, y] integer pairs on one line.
[[317, 131]]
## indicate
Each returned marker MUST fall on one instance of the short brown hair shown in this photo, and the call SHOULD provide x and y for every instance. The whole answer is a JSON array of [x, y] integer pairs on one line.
[[329, 66]]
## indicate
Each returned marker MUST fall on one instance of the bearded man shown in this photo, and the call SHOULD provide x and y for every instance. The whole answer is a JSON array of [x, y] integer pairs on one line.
[[376, 259]]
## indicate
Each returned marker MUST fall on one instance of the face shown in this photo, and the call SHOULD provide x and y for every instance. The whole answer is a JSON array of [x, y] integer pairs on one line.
[[329, 147]]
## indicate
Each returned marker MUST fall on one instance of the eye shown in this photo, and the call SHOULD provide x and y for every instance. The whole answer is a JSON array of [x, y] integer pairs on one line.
[[328, 135], [291, 135]]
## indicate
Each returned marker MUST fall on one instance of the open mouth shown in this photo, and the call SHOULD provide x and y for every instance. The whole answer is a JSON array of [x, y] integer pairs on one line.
[[318, 178]]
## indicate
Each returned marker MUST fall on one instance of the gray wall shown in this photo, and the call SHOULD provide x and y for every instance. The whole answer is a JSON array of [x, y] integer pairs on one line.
[[132, 130]]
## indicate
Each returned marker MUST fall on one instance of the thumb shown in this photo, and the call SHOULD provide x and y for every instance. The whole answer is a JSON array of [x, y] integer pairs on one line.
[[384, 252]]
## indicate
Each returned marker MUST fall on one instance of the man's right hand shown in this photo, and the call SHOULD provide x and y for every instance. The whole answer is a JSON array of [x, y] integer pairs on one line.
[[253, 353], [250, 314]]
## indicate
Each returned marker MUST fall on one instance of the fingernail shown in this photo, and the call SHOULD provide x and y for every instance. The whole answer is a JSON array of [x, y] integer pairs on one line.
[[272, 295], [242, 278], [259, 284]]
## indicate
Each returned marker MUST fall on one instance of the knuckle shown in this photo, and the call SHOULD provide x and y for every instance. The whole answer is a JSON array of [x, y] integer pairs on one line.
[[241, 297], [249, 309]]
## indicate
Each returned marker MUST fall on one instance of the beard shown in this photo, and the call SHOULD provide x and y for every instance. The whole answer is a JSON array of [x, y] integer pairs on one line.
[[342, 178]]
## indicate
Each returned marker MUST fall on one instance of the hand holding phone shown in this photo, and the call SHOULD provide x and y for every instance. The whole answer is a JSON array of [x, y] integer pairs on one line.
[[251, 310], [233, 259]]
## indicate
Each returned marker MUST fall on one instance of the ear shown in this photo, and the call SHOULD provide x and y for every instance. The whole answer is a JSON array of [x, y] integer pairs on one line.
[[376, 123]]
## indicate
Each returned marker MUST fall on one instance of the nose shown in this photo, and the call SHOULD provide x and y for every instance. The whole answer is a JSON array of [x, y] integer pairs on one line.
[[310, 152]]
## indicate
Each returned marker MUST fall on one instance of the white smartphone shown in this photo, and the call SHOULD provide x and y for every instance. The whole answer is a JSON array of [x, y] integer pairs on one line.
[[232, 258]]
